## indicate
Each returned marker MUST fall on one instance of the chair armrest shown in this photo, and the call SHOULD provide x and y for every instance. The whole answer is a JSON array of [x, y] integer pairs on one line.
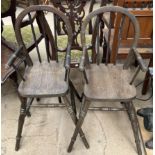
[[141, 63], [67, 62], [68, 58], [82, 60], [13, 57]]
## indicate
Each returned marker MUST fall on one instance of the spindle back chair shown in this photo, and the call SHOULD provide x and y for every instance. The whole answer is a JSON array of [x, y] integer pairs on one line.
[[110, 82], [45, 75]]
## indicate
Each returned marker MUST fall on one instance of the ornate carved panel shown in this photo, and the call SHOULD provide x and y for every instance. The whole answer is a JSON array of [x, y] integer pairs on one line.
[[74, 10]]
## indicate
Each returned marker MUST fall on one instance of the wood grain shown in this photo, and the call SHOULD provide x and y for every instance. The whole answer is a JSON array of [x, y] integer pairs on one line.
[[109, 82], [44, 80]]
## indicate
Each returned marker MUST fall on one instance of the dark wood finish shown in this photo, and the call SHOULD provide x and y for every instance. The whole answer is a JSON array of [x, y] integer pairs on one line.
[[134, 4], [144, 50], [11, 12], [145, 18], [45, 77], [124, 37], [7, 49], [110, 82], [75, 11], [49, 75], [147, 78], [144, 14], [142, 4], [23, 3], [21, 121], [26, 3], [114, 84]]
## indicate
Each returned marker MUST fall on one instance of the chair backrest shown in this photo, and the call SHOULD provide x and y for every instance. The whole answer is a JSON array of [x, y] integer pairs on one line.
[[41, 28], [142, 9], [97, 13]]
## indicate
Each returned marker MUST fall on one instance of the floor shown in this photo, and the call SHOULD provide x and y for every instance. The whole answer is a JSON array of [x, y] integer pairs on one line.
[[48, 130]]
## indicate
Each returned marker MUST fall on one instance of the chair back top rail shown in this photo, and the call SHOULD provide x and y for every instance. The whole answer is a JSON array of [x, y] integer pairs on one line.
[[45, 30], [98, 12]]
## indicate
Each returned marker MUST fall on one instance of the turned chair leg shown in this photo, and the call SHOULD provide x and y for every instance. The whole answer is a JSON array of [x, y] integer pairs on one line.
[[75, 91], [126, 105], [20, 122], [73, 100], [147, 78], [136, 129], [83, 112], [75, 120]]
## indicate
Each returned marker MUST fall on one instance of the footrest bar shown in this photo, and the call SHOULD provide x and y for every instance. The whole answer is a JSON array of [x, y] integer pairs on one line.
[[106, 109]]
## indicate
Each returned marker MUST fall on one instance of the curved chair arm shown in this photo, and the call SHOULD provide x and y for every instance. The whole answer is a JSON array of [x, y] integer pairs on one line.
[[68, 58], [81, 66], [83, 59], [12, 62], [13, 57], [141, 63]]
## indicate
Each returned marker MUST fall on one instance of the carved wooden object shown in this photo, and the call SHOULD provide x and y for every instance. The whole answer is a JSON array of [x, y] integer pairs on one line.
[[45, 76], [110, 82]]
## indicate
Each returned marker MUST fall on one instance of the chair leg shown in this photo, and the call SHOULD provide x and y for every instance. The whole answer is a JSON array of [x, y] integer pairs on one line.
[[136, 129], [28, 106], [75, 120], [147, 78], [83, 112], [126, 105], [75, 91], [20, 122], [146, 83], [73, 101]]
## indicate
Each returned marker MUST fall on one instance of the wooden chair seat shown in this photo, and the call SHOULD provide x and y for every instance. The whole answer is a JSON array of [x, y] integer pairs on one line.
[[37, 80], [43, 76], [109, 82]]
